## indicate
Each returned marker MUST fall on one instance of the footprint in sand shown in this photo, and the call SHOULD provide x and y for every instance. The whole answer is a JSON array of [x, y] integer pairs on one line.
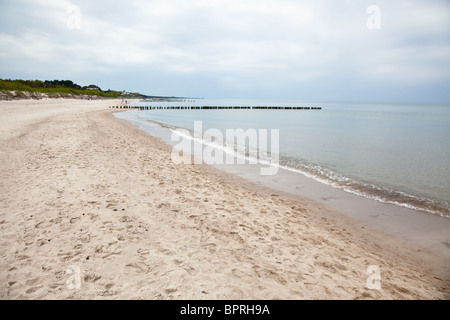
[[86, 238], [140, 267], [74, 220]]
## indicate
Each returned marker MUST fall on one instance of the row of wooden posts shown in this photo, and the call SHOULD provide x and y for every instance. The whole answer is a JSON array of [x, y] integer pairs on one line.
[[211, 108]]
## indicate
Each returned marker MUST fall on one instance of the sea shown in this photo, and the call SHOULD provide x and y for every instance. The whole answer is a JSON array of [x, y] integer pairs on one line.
[[392, 153]]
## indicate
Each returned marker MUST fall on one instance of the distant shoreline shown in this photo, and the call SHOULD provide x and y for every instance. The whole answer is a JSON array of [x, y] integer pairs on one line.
[[26, 95], [37, 89], [86, 192], [10, 95]]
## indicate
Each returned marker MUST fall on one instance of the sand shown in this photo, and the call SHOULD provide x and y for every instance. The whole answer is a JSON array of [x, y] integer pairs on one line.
[[93, 208]]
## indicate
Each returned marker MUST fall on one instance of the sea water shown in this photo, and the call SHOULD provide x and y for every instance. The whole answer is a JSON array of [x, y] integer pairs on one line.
[[393, 153]]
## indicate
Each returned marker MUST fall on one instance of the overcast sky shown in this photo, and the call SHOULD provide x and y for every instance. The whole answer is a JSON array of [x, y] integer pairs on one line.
[[355, 50]]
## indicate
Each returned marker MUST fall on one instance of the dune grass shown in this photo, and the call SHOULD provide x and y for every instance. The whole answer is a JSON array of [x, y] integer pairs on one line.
[[61, 87]]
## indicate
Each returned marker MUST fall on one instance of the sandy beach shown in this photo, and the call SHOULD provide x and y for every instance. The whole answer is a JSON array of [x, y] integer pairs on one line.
[[94, 208]]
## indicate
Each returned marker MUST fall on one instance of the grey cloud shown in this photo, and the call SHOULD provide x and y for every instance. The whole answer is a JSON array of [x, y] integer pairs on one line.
[[276, 48]]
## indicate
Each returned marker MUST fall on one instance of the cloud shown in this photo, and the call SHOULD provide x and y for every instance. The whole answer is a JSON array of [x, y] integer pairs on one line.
[[248, 48]]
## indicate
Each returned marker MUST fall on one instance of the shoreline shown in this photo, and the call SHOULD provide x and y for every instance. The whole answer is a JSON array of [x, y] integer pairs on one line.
[[430, 231], [400, 196], [338, 206], [83, 188]]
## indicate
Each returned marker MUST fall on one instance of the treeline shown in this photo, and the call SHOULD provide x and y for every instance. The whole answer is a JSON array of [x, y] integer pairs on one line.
[[48, 84], [52, 87]]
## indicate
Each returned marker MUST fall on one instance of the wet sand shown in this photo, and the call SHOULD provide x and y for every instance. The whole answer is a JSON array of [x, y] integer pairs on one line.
[[429, 231], [84, 191]]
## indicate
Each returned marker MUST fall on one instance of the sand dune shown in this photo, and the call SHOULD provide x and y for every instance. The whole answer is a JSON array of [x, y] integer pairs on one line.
[[83, 191]]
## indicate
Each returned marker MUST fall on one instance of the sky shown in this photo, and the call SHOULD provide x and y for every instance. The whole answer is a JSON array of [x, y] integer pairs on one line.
[[339, 50]]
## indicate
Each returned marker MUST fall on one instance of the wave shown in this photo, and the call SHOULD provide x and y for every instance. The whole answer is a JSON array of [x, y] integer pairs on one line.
[[323, 175], [366, 189]]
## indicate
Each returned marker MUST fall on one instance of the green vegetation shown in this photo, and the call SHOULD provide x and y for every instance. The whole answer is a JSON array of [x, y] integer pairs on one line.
[[53, 88]]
